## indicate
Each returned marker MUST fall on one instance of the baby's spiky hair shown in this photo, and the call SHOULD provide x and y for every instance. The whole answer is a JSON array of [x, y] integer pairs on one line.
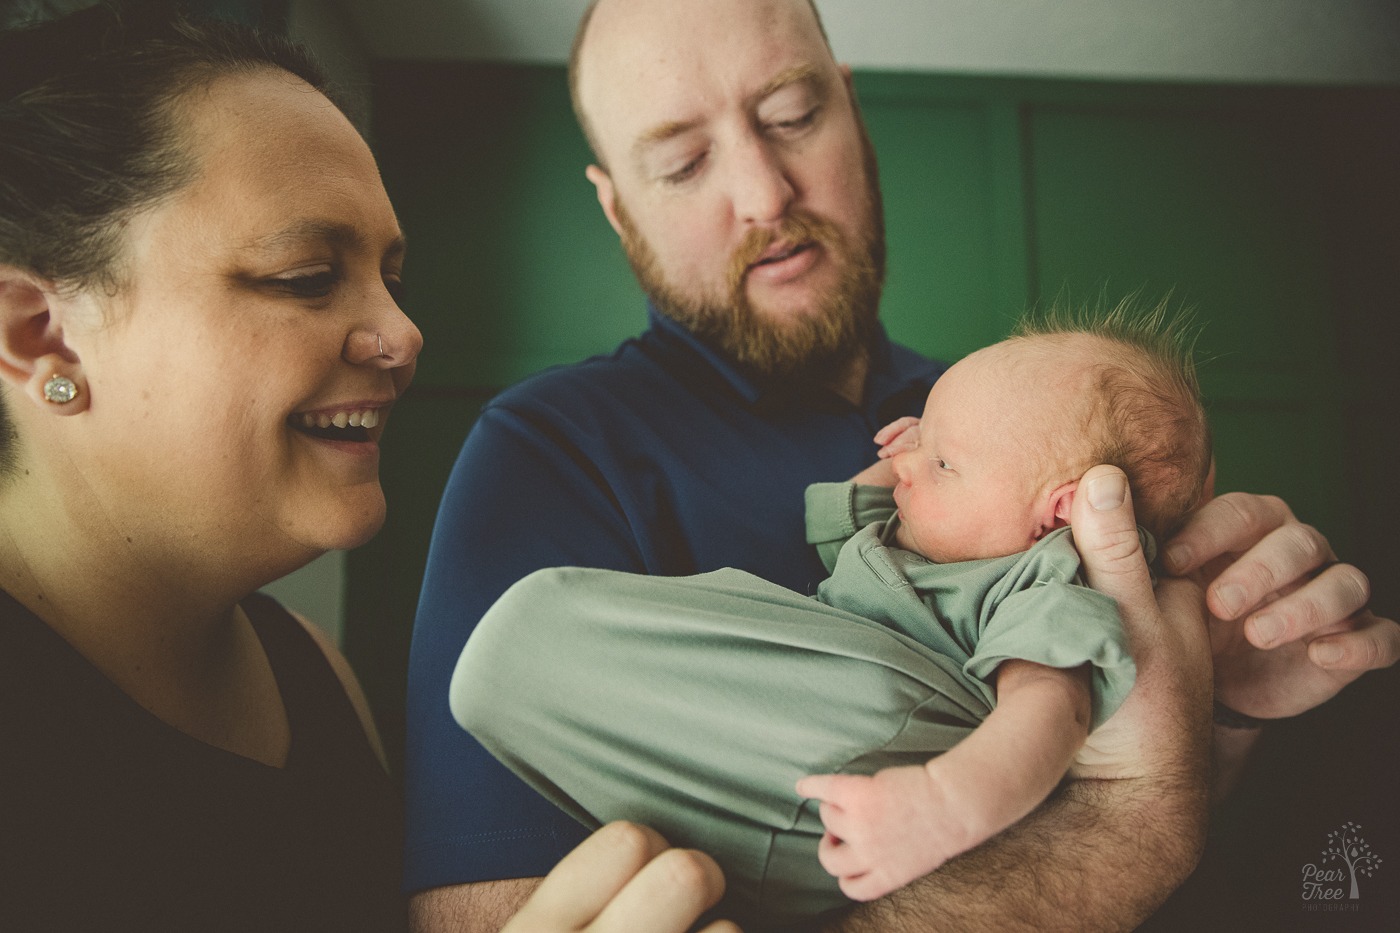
[[1147, 416]]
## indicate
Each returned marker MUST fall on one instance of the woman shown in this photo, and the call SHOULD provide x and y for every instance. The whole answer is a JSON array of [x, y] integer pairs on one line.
[[199, 349]]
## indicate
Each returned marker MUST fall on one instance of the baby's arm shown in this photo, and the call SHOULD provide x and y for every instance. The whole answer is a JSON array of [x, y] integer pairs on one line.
[[885, 830]]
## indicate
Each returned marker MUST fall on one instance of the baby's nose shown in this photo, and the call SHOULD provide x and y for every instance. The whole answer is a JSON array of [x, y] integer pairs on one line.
[[900, 463]]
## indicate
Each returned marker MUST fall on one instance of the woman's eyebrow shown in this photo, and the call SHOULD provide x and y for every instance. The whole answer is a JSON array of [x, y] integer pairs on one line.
[[317, 231]]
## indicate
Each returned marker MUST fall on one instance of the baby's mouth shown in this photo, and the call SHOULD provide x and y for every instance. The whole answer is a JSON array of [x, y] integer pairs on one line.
[[349, 425]]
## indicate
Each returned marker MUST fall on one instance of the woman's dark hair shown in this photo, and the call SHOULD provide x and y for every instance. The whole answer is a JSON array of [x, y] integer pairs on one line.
[[90, 133]]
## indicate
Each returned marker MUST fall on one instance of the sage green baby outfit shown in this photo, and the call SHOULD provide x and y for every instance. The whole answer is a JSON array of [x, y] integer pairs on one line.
[[694, 704]]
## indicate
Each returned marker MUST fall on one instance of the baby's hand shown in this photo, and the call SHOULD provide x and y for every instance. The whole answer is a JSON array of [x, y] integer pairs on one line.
[[885, 830], [897, 436]]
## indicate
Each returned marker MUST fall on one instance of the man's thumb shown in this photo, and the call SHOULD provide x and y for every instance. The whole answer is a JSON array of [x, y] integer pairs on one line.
[[1105, 534]]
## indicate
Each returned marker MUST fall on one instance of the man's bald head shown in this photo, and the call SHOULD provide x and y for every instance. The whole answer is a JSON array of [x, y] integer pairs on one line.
[[624, 8]]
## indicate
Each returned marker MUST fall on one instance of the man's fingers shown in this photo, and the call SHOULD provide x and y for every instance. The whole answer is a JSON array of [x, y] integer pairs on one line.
[[1316, 607], [1280, 558], [1227, 524], [1374, 643]]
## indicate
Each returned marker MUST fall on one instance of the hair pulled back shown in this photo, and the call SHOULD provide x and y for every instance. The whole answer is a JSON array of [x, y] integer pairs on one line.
[[89, 128], [90, 133]]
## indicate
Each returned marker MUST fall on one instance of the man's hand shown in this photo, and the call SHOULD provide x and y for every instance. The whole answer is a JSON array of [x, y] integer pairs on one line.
[[1291, 628], [624, 878], [1167, 712]]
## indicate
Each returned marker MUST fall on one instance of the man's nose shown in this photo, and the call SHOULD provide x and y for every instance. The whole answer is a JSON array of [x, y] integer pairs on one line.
[[762, 189]]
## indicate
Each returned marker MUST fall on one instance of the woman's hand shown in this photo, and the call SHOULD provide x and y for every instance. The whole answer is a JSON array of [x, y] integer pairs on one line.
[[625, 878]]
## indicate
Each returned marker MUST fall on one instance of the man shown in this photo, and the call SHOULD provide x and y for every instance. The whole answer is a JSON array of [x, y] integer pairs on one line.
[[732, 162]]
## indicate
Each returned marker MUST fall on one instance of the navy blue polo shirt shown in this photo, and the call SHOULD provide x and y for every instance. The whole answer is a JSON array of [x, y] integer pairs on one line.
[[660, 458]]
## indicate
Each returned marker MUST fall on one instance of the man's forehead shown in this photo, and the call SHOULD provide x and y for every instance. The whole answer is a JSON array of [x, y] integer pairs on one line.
[[650, 61], [628, 20]]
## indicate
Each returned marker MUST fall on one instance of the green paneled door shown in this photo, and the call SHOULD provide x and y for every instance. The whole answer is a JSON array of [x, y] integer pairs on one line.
[[951, 172]]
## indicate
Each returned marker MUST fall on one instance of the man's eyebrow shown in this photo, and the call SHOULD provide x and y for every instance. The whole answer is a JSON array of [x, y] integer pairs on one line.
[[337, 234], [797, 74], [662, 132]]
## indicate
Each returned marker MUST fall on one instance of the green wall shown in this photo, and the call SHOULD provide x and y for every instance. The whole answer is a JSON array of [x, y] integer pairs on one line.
[[1273, 212]]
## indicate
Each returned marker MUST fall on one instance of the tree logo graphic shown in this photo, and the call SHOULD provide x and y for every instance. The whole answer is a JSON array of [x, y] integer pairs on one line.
[[1344, 847]]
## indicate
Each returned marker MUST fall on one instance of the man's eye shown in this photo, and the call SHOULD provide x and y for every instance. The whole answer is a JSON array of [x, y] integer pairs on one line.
[[797, 123], [685, 172], [313, 285]]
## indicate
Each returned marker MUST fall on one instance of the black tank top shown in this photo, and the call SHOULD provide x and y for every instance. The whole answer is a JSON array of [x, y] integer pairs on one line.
[[112, 820]]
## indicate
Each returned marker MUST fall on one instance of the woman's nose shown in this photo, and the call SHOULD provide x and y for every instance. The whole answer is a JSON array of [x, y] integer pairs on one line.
[[394, 343]]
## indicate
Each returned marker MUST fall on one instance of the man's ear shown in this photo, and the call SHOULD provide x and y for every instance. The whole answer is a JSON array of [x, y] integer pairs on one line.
[[1054, 510], [32, 348], [607, 196]]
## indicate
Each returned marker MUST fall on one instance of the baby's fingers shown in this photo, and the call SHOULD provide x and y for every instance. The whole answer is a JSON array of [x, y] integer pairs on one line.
[[866, 887], [839, 858], [827, 787], [898, 437], [895, 428]]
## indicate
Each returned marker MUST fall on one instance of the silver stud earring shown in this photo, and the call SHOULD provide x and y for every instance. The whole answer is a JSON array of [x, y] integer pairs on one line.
[[60, 390]]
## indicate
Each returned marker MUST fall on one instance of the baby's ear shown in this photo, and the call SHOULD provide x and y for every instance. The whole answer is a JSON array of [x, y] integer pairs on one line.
[[1054, 510]]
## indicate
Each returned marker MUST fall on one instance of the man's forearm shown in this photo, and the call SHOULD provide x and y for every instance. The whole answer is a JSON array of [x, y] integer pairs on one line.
[[482, 907], [1100, 855], [1232, 747]]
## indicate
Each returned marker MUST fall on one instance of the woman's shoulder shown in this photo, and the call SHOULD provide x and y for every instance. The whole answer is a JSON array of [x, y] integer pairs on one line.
[[267, 613]]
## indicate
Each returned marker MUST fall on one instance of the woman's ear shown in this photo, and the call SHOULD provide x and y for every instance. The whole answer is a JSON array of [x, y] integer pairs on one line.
[[34, 358], [1054, 509]]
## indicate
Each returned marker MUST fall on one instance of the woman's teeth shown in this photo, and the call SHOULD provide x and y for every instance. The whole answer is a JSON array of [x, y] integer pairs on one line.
[[368, 418]]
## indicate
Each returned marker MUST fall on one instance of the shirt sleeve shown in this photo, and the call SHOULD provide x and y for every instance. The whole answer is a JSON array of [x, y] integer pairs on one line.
[[1062, 625], [518, 479], [836, 511]]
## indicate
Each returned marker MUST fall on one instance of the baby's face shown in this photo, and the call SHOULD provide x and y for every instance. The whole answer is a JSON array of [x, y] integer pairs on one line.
[[972, 485]]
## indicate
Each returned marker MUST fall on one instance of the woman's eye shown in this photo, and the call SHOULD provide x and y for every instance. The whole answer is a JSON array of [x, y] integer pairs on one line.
[[311, 285]]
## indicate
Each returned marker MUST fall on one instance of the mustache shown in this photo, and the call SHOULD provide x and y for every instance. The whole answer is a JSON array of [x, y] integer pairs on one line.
[[796, 228]]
